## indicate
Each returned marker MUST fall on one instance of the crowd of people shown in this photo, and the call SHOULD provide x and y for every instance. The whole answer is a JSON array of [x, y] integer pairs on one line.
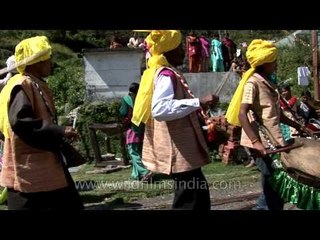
[[214, 55], [203, 54]]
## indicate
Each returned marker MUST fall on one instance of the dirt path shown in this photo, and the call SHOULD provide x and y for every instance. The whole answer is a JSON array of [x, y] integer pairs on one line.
[[237, 198], [243, 198]]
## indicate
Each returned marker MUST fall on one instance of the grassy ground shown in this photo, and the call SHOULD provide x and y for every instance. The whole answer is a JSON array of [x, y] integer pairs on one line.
[[117, 187]]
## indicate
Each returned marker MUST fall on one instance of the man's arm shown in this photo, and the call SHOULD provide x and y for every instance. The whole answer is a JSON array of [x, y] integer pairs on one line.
[[255, 140], [34, 131], [248, 98], [165, 107]]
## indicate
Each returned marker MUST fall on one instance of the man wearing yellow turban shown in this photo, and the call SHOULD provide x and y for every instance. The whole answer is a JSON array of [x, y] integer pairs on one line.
[[256, 102], [173, 142], [33, 170]]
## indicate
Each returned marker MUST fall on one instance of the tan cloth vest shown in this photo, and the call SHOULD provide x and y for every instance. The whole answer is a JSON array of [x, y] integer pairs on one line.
[[28, 169], [266, 105], [174, 146]]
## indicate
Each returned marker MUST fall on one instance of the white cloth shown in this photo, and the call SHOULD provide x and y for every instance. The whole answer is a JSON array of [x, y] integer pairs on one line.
[[10, 62], [10, 67], [165, 107], [133, 43], [148, 55], [238, 53], [5, 80], [303, 76]]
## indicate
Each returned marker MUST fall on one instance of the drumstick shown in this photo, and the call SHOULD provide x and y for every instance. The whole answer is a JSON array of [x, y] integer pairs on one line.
[[285, 148], [74, 122]]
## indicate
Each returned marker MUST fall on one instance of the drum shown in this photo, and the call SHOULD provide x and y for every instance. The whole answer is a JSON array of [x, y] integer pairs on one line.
[[298, 180], [303, 163]]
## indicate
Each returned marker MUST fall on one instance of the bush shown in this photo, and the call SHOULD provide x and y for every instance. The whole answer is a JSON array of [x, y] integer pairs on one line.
[[67, 84], [289, 59], [96, 112]]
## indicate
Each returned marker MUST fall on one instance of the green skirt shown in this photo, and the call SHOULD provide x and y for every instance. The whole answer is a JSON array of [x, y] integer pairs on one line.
[[290, 190]]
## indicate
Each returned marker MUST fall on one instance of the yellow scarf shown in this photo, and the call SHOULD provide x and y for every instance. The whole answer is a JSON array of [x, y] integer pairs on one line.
[[4, 104], [159, 42], [259, 52]]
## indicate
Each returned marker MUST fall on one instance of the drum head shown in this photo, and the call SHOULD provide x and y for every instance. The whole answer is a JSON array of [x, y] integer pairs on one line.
[[305, 160]]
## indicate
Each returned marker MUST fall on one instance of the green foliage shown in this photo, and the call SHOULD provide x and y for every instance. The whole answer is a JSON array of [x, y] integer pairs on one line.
[[9, 39], [67, 84], [100, 111], [248, 35], [214, 156], [96, 112], [79, 39], [289, 59], [223, 106]]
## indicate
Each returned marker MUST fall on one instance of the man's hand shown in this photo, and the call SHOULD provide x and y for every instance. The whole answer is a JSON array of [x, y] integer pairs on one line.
[[210, 99], [259, 146], [71, 133]]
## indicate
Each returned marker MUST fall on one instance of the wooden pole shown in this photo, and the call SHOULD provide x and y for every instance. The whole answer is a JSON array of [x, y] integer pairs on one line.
[[315, 64]]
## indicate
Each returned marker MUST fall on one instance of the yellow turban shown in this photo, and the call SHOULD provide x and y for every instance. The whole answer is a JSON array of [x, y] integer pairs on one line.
[[259, 52], [159, 42], [31, 51]]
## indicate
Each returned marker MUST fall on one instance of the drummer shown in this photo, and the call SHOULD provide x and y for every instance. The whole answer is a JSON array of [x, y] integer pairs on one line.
[[257, 92]]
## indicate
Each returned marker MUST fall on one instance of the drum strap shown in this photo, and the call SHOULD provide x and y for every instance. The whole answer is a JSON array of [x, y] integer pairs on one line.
[[264, 131]]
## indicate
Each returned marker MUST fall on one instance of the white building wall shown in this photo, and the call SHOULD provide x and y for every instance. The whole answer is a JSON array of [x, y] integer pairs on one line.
[[108, 74]]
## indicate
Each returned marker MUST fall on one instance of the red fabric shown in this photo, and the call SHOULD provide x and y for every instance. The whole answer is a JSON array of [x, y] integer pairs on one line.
[[312, 127], [292, 101], [228, 43], [193, 46]]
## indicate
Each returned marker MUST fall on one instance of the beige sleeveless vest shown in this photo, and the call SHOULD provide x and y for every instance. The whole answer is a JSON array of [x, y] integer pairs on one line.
[[174, 146], [28, 169], [266, 105]]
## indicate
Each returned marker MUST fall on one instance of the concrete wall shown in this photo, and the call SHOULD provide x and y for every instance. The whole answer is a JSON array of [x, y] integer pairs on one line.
[[223, 84], [108, 74]]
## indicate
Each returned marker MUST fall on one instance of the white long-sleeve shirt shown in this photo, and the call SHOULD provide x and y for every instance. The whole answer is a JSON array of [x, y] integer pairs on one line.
[[164, 107]]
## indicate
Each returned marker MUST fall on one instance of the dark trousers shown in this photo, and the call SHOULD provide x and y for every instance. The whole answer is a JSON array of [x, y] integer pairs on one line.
[[191, 191], [61, 199], [272, 198], [67, 198]]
